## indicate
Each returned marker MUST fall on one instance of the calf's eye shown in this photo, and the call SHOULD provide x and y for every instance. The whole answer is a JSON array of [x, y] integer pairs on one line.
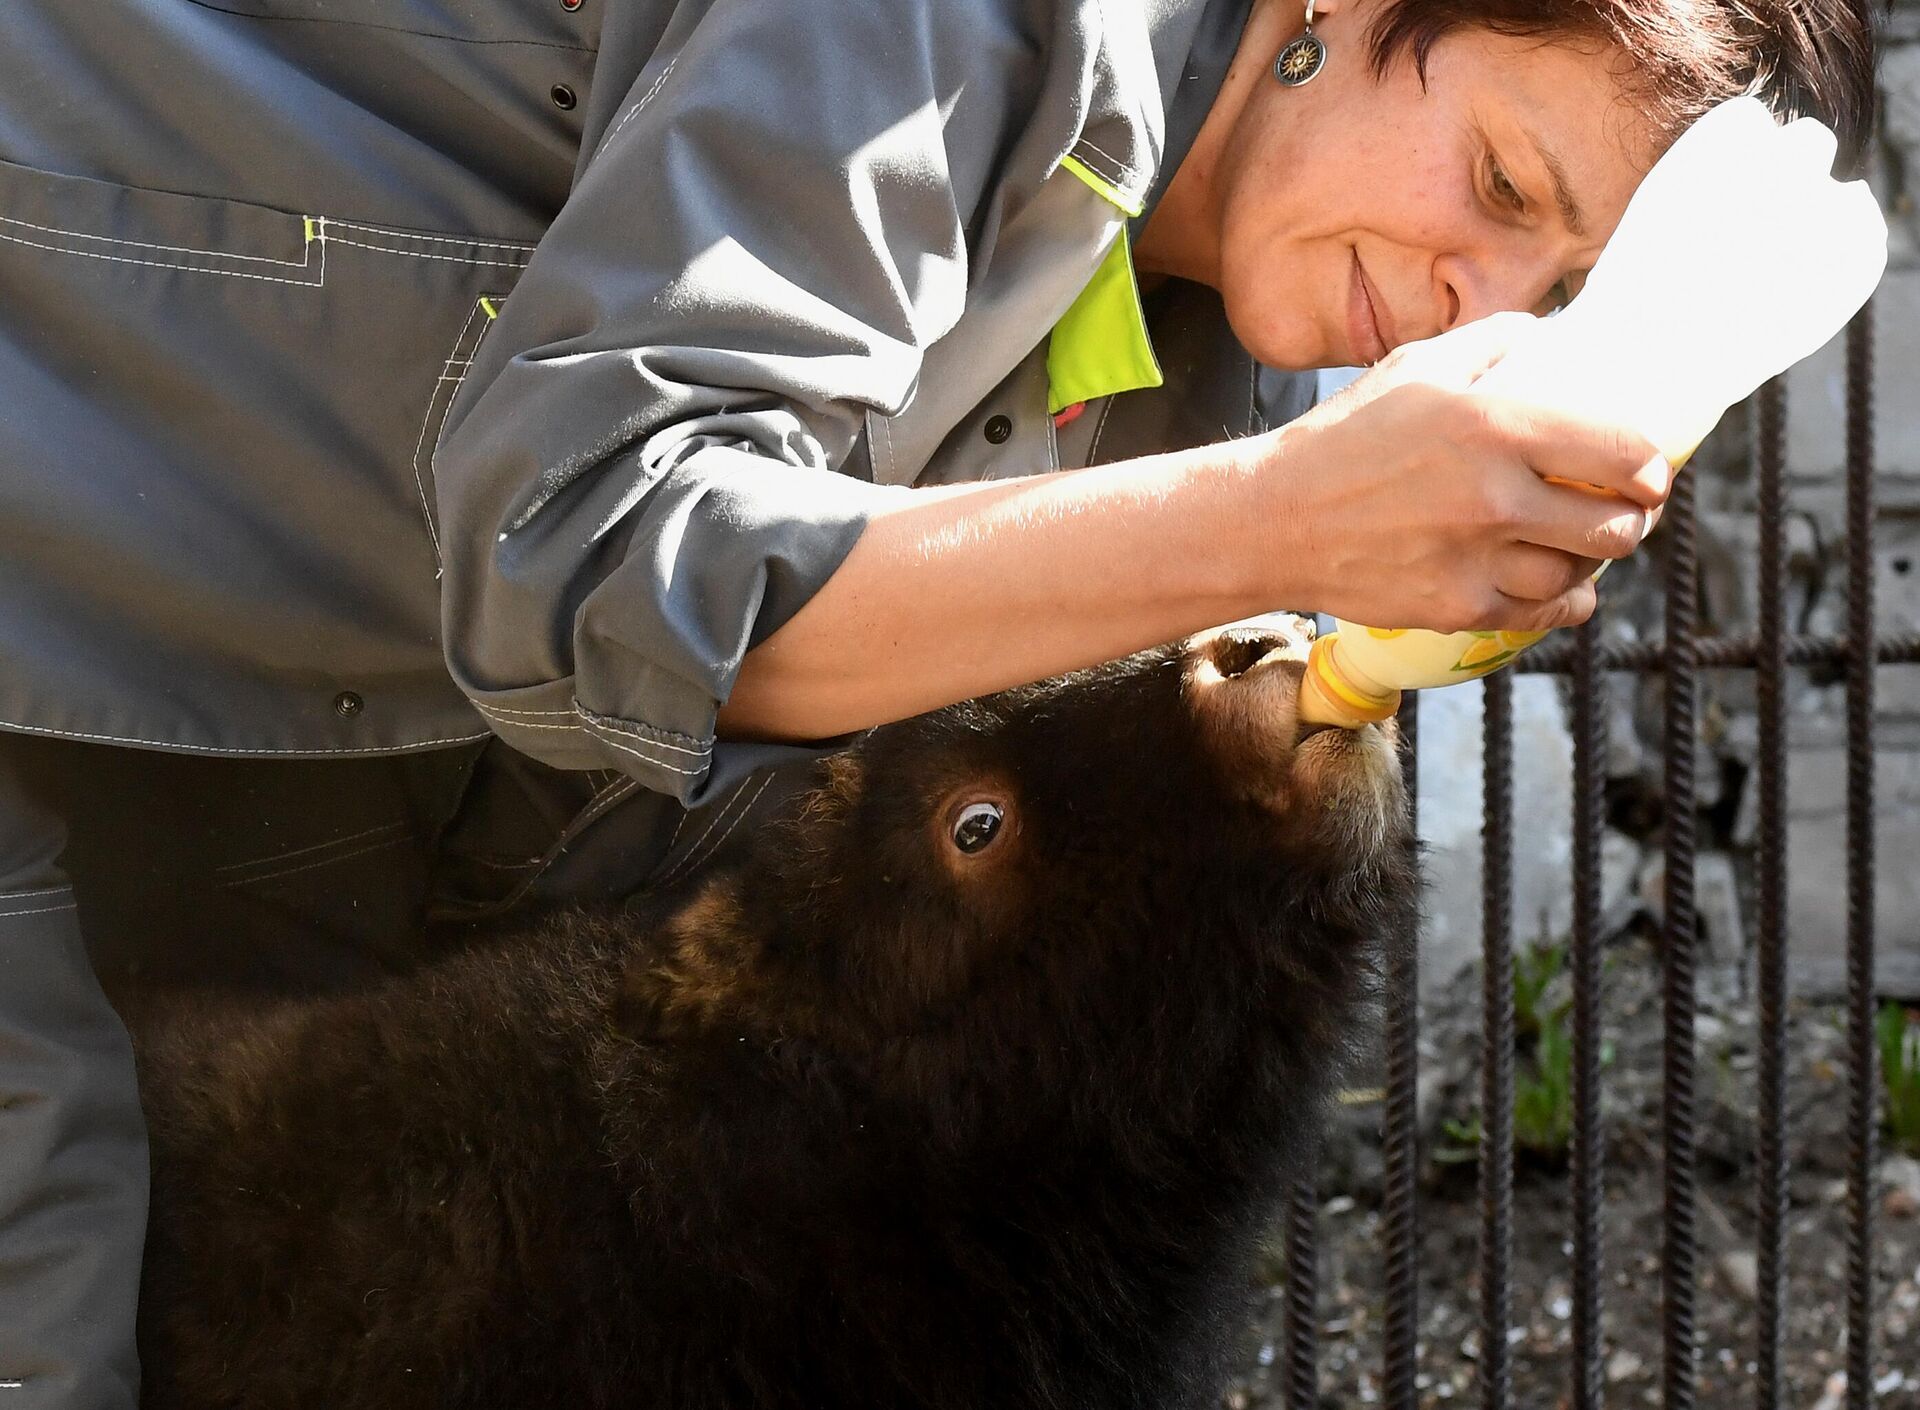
[[976, 826]]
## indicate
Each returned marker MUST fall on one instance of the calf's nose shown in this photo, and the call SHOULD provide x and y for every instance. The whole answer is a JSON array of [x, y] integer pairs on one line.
[[1243, 684], [1238, 647]]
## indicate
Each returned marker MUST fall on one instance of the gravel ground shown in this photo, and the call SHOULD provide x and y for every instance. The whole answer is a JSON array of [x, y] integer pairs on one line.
[[1351, 1303]]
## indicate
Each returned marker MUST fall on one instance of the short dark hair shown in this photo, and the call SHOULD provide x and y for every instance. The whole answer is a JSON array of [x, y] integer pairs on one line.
[[1803, 58]]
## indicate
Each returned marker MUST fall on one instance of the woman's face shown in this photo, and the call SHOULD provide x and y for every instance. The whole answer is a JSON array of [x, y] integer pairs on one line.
[[1345, 207]]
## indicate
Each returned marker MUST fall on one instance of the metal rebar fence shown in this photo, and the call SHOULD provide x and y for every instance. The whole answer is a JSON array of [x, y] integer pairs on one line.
[[1680, 658]]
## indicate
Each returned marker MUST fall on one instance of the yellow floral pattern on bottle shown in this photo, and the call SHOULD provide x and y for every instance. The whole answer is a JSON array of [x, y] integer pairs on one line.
[[1489, 651]]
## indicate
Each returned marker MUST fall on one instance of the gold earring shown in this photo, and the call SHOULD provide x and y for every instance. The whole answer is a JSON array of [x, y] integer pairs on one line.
[[1302, 58]]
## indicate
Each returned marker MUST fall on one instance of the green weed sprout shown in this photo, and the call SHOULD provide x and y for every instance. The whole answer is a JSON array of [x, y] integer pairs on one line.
[[1899, 1034], [1543, 1069]]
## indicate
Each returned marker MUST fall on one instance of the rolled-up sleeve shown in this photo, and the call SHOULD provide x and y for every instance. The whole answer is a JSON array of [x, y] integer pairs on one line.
[[646, 472]]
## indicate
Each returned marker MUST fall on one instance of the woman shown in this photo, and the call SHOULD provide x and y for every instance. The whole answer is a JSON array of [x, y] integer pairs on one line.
[[806, 295]]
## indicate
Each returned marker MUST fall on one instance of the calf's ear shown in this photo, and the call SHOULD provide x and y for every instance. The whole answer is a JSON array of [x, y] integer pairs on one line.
[[695, 972]]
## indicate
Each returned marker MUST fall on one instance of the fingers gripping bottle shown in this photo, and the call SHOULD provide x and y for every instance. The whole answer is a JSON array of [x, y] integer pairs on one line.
[[1738, 255]]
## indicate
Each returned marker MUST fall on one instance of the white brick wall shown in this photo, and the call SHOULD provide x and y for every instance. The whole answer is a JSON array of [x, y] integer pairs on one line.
[[1816, 452]]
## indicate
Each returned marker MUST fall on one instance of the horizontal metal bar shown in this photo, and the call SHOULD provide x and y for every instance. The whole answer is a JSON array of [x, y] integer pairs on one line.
[[1556, 656]]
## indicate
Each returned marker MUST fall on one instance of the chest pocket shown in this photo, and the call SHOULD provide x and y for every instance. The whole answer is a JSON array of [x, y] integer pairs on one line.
[[479, 21], [237, 408]]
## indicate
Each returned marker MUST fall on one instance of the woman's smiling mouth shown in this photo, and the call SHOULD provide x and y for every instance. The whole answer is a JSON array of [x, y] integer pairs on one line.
[[1365, 344], [1368, 330]]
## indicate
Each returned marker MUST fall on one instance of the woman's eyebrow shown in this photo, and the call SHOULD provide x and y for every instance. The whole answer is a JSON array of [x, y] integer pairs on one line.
[[1556, 173]]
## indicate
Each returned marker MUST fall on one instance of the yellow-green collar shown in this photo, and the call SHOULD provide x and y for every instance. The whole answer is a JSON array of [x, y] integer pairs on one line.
[[1100, 345]]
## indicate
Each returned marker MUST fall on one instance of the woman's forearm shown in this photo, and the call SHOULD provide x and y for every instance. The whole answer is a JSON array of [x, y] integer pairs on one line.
[[1403, 500], [968, 589]]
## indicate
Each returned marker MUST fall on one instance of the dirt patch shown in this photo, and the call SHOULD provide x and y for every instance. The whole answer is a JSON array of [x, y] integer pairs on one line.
[[1351, 1238]]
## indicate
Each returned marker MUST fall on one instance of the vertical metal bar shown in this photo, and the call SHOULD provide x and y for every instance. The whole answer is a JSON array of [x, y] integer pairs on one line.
[[1496, 1048], [1862, 1081], [1771, 867], [1400, 1214], [1589, 1153], [1300, 1359], [1678, 1378]]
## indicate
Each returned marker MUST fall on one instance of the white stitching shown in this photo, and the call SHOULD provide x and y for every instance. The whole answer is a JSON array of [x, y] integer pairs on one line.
[[694, 772], [639, 738], [694, 853], [504, 710], [645, 99], [522, 724], [720, 841], [426, 421], [881, 473], [601, 733], [422, 474], [1099, 430], [718, 818], [42, 911], [421, 254], [323, 862], [1092, 145], [604, 802], [1123, 171], [874, 448], [43, 891], [893, 456], [187, 268], [321, 227], [1111, 175], [437, 239], [674, 836], [175, 748], [144, 245], [597, 805], [302, 851], [580, 721]]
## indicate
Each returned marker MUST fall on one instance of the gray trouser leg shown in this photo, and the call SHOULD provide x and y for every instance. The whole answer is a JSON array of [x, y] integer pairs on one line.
[[73, 1159]]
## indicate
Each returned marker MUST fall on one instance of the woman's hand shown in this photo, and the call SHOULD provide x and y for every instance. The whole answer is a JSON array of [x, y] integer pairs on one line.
[[1407, 501], [1403, 502]]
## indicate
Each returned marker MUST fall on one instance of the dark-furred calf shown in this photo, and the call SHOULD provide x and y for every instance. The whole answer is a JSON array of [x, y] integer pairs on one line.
[[969, 1084]]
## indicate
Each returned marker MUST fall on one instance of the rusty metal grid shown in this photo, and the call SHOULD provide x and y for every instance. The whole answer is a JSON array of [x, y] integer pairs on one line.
[[1683, 654]]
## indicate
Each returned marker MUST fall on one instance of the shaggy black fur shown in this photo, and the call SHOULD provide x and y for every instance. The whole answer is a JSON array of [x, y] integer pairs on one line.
[[860, 1121]]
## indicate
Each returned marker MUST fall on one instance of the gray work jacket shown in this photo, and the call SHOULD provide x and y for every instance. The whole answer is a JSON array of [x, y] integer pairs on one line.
[[567, 345]]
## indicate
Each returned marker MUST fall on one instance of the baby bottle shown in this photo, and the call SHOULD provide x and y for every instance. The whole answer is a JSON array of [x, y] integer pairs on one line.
[[1738, 256]]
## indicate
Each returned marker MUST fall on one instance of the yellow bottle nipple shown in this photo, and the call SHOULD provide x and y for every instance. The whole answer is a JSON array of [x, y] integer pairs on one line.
[[1334, 693]]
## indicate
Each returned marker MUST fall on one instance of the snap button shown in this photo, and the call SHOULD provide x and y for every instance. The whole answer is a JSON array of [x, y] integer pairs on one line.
[[346, 704], [563, 97], [571, 4], [998, 428]]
